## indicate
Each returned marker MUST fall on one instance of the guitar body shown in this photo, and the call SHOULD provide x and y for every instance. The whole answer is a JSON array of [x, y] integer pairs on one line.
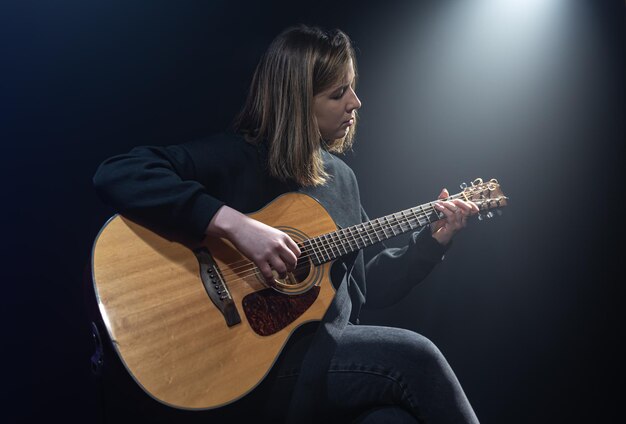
[[168, 331]]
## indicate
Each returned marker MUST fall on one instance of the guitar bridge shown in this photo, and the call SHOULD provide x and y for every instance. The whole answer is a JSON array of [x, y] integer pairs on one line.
[[216, 287]]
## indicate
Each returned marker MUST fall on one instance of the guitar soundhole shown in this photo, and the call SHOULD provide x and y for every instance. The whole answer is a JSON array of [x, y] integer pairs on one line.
[[294, 282]]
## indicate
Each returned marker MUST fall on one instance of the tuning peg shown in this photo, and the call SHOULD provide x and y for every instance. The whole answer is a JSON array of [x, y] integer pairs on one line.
[[481, 216], [489, 214], [463, 186]]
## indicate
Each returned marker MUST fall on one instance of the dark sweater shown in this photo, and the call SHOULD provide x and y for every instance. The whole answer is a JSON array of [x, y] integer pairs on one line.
[[179, 188]]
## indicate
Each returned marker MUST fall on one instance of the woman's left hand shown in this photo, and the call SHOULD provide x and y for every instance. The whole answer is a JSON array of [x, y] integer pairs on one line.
[[456, 212]]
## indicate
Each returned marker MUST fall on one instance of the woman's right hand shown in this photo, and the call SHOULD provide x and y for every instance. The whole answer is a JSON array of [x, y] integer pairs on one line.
[[269, 248]]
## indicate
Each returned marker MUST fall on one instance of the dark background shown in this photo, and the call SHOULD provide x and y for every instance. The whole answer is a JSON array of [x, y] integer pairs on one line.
[[525, 305]]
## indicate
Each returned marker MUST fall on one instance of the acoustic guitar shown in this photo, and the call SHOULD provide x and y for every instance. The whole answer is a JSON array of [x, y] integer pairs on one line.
[[198, 327]]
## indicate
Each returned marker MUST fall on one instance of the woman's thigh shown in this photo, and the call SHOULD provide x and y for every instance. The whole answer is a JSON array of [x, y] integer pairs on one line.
[[375, 367]]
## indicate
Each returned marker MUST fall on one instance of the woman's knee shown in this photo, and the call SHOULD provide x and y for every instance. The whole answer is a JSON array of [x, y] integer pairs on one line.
[[413, 347], [423, 349], [388, 345]]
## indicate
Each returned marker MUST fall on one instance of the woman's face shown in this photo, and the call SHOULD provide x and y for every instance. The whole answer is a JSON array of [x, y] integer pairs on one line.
[[335, 108]]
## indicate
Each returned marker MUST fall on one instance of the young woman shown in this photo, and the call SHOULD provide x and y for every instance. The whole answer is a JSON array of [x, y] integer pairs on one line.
[[301, 109]]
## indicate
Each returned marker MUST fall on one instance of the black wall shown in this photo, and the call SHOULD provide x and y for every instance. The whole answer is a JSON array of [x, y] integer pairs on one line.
[[525, 305]]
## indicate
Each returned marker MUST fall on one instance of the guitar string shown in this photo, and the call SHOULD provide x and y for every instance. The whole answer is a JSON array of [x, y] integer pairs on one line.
[[323, 246], [326, 242], [253, 268], [300, 265], [424, 213], [235, 267]]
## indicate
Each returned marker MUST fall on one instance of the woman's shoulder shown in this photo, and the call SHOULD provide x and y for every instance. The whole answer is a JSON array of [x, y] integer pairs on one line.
[[340, 194], [336, 166]]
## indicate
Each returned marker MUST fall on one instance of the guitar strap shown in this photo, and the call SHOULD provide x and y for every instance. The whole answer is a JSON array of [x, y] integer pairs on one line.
[[310, 389]]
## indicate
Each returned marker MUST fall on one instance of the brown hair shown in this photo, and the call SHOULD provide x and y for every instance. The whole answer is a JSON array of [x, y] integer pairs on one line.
[[300, 63]]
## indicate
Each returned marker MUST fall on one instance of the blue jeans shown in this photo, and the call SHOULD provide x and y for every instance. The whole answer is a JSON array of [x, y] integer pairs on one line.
[[381, 374]]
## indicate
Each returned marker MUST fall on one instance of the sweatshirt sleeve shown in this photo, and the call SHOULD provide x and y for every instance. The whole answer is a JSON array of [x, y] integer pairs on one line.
[[160, 186], [391, 273]]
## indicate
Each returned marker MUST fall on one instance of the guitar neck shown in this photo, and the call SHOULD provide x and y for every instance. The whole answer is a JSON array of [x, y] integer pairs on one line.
[[330, 246]]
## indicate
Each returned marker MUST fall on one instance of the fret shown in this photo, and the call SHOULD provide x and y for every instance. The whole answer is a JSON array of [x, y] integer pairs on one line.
[[392, 223], [360, 229], [372, 231], [382, 226], [407, 219], [337, 241], [356, 240], [398, 223], [325, 254], [353, 237], [334, 249], [368, 232], [412, 217], [330, 244], [316, 249], [390, 226], [373, 227], [350, 239], [417, 218], [310, 247], [341, 237], [438, 214], [403, 220], [426, 214], [338, 244], [385, 227], [322, 249]]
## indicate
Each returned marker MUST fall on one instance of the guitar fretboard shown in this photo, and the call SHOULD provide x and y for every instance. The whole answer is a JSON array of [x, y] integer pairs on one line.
[[333, 245]]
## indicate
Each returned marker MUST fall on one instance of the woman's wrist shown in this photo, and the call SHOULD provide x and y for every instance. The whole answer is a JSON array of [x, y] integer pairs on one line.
[[223, 222]]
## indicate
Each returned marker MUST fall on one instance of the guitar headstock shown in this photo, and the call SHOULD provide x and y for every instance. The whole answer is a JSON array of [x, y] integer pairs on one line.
[[487, 196]]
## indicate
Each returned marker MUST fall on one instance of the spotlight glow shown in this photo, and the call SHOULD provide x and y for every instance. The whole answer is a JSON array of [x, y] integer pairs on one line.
[[482, 65]]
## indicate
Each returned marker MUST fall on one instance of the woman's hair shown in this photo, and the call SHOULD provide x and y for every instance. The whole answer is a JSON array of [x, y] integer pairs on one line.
[[300, 63]]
